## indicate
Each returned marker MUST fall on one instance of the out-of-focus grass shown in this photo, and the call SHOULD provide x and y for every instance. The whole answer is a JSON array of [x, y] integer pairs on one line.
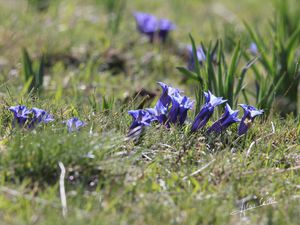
[[108, 180]]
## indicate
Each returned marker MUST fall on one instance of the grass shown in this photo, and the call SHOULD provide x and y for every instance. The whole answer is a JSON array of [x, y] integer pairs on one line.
[[170, 176]]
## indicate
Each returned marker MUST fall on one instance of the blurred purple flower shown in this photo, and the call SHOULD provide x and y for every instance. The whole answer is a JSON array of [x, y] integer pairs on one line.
[[200, 55], [207, 110], [29, 117], [149, 25], [74, 124], [164, 27], [21, 114], [250, 113], [228, 118], [146, 24], [141, 117], [253, 49], [41, 115]]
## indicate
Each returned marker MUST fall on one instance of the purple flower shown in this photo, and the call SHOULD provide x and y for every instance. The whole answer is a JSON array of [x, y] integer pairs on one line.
[[30, 117], [165, 26], [200, 55], [167, 94], [253, 49], [229, 117], [250, 113], [21, 114], [179, 109], [146, 24], [179, 105], [206, 111], [41, 115], [159, 112], [74, 124], [141, 117], [150, 26]]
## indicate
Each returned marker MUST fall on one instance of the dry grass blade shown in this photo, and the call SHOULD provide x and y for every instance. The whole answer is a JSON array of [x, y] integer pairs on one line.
[[199, 170], [62, 190], [259, 139]]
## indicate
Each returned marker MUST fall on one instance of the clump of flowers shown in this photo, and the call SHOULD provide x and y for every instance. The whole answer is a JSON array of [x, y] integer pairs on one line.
[[29, 118], [74, 124], [152, 27], [172, 108]]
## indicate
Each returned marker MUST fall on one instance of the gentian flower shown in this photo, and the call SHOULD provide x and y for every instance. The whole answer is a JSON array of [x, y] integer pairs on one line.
[[159, 112], [253, 49], [167, 95], [180, 105], [200, 55], [21, 114], [146, 24], [141, 117], [74, 124], [206, 111], [165, 26], [179, 109], [229, 117], [250, 113], [150, 26], [30, 117], [41, 115]]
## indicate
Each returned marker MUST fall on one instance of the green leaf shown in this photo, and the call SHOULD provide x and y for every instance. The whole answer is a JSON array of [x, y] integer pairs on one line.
[[189, 74], [242, 77], [27, 65], [196, 60], [230, 77]]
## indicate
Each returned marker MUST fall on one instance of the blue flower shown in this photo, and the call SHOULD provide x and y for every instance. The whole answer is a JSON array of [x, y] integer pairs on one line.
[[253, 49], [167, 95], [171, 97], [29, 118], [200, 55], [74, 124], [21, 114], [159, 112], [41, 115], [150, 26], [179, 109], [165, 26], [141, 117], [146, 24], [206, 111], [229, 117], [250, 113]]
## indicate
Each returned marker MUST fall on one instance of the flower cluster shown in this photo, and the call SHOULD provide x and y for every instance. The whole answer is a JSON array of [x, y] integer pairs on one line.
[[172, 108], [152, 27], [30, 118]]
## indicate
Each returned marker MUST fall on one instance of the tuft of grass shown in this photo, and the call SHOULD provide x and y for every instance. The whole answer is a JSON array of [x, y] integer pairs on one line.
[[279, 59]]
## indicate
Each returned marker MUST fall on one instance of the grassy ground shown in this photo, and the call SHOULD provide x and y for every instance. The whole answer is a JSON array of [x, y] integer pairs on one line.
[[170, 176]]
